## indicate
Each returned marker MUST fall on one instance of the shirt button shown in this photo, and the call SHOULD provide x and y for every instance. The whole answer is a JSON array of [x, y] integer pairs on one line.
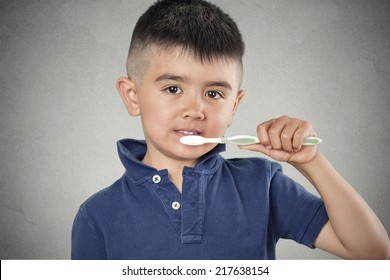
[[156, 179], [175, 205]]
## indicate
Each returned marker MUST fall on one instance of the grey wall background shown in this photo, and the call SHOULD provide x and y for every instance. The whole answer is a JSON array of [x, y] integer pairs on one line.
[[321, 60]]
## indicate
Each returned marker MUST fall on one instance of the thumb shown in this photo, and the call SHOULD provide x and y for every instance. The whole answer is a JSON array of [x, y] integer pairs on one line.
[[257, 148]]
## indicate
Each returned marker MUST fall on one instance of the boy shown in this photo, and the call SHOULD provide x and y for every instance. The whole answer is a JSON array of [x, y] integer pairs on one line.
[[187, 202]]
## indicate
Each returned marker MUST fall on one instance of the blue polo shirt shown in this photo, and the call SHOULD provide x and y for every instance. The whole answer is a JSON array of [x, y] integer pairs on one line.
[[228, 209]]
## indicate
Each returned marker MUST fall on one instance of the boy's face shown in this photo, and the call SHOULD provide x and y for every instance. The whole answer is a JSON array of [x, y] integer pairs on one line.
[[179, 96]]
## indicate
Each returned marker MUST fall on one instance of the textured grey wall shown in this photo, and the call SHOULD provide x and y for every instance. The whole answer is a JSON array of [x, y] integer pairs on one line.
[[321, 60]]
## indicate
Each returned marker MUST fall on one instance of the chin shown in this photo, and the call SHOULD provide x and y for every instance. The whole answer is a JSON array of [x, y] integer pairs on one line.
[[192, 152]]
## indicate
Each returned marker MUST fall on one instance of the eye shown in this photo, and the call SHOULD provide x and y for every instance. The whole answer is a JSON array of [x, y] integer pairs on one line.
[[173, 90], [214, 94]]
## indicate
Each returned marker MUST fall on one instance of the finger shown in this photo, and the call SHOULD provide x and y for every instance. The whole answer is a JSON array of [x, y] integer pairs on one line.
[[262, 132], [287, 135], [275, 131], [304, 130]]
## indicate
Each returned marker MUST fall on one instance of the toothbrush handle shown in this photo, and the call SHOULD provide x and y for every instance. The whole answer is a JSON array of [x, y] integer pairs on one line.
[[249, 140], [222, 140], [310, 141]]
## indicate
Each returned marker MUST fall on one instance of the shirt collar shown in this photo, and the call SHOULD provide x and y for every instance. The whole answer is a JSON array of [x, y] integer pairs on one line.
[[131, 152]]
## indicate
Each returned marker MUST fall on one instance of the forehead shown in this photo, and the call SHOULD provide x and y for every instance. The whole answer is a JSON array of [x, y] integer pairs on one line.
[[183, 62]]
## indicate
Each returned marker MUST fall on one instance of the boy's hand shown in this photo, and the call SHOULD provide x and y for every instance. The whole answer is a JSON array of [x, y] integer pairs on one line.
[[281, 139]]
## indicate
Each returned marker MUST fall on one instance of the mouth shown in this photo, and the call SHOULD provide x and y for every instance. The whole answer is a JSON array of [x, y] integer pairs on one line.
[[186, 132]]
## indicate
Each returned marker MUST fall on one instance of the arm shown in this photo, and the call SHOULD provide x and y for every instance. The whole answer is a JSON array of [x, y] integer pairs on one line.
[[87, 243], [353, 230]]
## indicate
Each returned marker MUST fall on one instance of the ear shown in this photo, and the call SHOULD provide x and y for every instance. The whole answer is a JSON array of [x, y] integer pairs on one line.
[[239, 97], [128, 91]]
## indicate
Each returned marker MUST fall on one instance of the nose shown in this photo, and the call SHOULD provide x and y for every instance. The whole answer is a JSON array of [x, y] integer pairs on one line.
[[193, 107]]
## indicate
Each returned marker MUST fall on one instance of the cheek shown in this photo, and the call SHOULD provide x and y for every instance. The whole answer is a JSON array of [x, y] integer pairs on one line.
[[153, 108], [156, 119], [154, 115], [221, 117]]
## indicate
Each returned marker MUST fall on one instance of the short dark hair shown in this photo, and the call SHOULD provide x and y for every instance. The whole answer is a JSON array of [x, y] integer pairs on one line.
[[193, 25]]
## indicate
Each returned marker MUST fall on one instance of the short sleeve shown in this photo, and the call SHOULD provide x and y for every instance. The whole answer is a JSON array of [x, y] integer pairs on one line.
[[296, 213], [87, 242]]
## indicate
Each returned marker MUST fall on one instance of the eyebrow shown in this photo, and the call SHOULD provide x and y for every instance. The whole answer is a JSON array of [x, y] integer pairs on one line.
[[224, 84], [168, 76], [173, 77]]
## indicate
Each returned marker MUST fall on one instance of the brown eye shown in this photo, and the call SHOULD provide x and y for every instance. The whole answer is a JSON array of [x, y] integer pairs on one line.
[[214, 94], [173, 90]]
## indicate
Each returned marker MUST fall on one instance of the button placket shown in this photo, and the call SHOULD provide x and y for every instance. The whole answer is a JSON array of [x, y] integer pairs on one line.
[[193, 207], [169, 197]]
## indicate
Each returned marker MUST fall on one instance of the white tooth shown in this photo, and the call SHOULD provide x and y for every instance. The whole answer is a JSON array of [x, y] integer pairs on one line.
[[188, 132]]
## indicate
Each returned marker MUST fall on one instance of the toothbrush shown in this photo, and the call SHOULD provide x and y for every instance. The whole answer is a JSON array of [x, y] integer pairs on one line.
[[238, 140]]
